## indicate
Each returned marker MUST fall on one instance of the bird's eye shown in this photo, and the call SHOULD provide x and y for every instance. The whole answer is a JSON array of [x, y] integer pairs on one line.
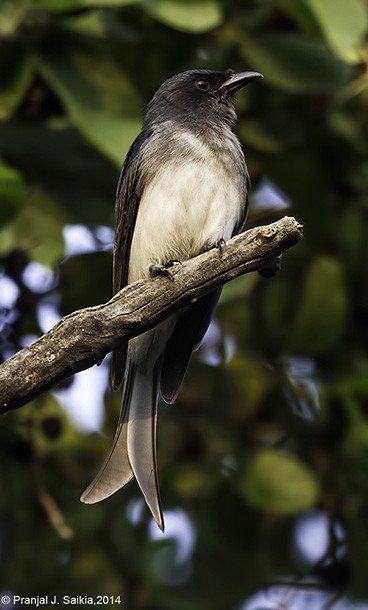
[[202, 84]]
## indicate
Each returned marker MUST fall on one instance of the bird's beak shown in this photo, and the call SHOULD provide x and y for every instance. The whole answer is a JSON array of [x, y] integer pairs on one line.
[[237, 80]]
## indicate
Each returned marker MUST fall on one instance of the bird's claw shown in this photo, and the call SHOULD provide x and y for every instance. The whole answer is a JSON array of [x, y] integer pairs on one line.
[[219, 244], [163, 269]]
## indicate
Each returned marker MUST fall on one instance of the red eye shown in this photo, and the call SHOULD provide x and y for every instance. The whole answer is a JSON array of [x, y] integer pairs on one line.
[[202, 84]]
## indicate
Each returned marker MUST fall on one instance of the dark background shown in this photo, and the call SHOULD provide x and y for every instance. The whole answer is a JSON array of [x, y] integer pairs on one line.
[[270, 432]]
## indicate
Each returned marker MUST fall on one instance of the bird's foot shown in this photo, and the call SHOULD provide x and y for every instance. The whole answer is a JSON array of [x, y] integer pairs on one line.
[[272, 268], [219, 244], [163, 269]]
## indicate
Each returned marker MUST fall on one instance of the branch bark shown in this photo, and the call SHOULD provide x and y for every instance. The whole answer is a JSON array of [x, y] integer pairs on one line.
[[84, 337]]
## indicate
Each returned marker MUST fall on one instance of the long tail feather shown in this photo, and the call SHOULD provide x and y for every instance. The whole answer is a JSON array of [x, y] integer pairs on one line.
[[116, 470], [133, 452], [141, 439]]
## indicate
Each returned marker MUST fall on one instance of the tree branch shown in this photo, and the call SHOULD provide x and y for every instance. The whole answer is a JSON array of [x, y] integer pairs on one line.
[[84, 337]]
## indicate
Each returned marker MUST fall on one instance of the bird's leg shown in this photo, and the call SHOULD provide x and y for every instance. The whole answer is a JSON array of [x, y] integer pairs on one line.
[[158, 268], [219, 244]]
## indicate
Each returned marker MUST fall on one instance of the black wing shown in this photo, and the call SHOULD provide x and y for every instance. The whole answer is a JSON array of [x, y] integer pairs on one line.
[[187, 335], [128, 194]]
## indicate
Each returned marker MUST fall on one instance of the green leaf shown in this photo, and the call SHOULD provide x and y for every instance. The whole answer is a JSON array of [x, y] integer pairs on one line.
[[344, 24], [37, 229], [187, 16], [279, 483], [89, 23], [63, 5], [63, 164], [108, 2], [247, 382], [356, 441], [189, 481], [258, 136], [99, 98], [294, 63], [11, 15], [298, 12], [16, 73], [322, 313], [11, 192]]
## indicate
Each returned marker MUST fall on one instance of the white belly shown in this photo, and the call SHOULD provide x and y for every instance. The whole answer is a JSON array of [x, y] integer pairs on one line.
[[191, 203], [185, 208]]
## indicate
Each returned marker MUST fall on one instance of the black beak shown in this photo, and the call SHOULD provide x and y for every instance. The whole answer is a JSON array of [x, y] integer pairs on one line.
[[237, 80]]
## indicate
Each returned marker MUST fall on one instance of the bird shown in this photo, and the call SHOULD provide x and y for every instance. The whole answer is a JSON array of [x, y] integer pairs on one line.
[[182, 190]]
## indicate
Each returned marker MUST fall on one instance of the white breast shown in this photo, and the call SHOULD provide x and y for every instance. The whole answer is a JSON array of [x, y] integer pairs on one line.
[[189, 204]]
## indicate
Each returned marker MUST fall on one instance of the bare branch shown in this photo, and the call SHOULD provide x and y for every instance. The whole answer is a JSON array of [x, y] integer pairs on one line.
[[84, 337]]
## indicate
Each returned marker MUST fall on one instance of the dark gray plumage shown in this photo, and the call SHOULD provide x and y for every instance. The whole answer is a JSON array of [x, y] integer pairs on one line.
[[182, 189]]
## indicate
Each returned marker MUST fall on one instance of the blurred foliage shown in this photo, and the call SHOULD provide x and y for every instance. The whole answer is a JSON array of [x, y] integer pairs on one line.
[[278, 428]]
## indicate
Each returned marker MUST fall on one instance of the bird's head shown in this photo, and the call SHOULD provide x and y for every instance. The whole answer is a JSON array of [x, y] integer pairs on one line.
[[198, 95]]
